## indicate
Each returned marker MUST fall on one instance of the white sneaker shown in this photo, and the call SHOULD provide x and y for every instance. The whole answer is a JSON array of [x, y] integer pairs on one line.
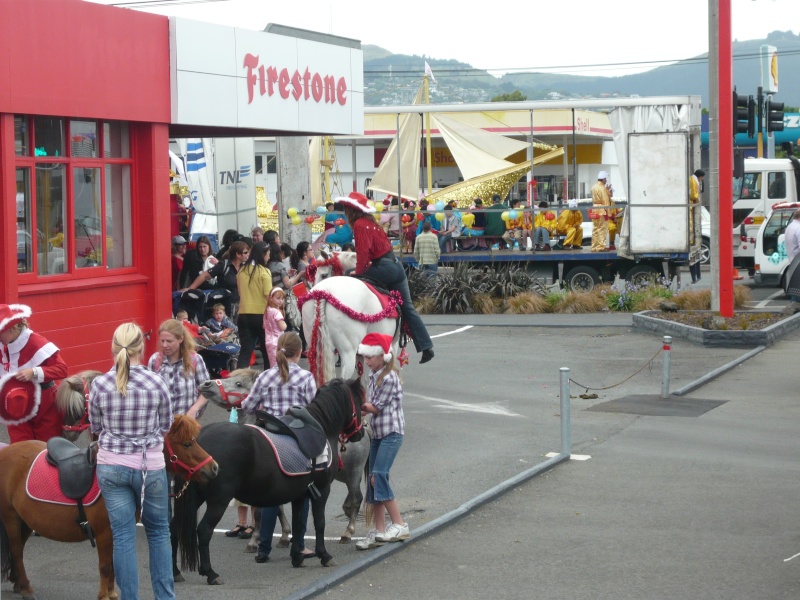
[[394, 533], [370, 541]]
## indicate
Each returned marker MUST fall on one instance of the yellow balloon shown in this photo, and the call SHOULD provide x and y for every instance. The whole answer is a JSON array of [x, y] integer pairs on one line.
[[292, 212], [468, 220], [504, 215], [379, 207], [296, 220], [440, 216]]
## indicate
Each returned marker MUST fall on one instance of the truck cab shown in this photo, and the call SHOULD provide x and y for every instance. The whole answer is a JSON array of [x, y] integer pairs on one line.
[[771, 260], [766, 182]]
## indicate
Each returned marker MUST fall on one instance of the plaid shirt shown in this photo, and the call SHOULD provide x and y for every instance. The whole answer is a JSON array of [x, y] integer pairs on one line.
[[388, 399], [140, 419], [426, 249], [273, 396], [182, 388]]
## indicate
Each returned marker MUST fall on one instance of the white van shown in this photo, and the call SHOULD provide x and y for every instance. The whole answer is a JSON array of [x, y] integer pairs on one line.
[[766, 181], [771, 261]]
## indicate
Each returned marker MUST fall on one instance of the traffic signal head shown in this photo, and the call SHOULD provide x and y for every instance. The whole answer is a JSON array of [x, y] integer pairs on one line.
[[774, 112], [744, 114]]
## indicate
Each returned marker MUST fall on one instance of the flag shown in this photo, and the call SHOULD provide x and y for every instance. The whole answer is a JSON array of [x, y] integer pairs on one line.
[[428, 72]]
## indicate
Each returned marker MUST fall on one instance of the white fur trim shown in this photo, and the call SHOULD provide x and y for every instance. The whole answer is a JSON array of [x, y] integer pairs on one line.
[[37, 400], [22, 312], [374, 351]]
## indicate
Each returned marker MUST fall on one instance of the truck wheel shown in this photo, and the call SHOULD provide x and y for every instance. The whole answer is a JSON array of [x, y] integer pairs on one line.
[[705, 251], [641, 275], [582, 279]]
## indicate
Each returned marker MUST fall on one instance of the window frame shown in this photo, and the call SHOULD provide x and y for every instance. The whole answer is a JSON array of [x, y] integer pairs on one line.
[[71, 163]]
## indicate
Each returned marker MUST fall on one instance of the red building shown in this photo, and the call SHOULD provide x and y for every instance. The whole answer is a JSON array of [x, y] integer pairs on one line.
[[88, 102]]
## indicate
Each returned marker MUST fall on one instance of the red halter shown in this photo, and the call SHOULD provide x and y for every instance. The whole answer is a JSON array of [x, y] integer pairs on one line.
[[355, 423], [226, 396], [83, 423], [176, 462]]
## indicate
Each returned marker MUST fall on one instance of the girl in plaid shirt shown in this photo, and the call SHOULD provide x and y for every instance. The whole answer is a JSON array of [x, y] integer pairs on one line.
[[388, 429], [275, 391], [181, 368]]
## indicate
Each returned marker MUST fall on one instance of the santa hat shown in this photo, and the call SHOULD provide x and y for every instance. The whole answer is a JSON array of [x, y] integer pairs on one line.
[[19, 400], [376, 344], [357, 201], [11, 314]]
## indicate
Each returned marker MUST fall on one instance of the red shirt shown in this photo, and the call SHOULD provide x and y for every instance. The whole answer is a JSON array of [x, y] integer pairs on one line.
[[371, 243]]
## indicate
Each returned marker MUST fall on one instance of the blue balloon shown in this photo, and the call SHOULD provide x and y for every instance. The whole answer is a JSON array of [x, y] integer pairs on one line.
[[321, 210], [439, 205], [512, 214]]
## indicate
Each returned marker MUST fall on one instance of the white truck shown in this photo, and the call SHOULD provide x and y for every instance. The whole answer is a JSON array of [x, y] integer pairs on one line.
[[771, 260], [766, 182]]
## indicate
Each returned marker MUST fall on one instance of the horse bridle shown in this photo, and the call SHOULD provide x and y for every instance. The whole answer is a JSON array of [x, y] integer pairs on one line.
[[356, 424], [176, 462], [83, 423], [226, 396]]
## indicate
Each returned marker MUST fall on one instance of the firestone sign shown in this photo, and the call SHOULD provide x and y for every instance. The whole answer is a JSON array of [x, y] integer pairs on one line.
[[305, 85], [231, 77]]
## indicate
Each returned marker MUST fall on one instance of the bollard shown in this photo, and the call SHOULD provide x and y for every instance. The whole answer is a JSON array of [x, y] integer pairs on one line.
[[566, 430], [665, 373]]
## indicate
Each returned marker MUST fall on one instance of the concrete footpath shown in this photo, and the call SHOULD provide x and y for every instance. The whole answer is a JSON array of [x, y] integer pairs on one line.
[[671, 507]]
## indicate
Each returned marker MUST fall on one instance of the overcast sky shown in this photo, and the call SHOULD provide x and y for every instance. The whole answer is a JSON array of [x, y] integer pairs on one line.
[[518, 35]]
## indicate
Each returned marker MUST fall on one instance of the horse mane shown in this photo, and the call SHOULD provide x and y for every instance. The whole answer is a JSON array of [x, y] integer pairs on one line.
[[332, 403], [71, 394], [184, 428], [249, 374]]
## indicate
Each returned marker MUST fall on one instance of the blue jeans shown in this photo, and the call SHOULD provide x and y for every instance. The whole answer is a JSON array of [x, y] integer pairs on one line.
[[382, 453], [269, 517], [541, 236], [390, 273], [122, 490]]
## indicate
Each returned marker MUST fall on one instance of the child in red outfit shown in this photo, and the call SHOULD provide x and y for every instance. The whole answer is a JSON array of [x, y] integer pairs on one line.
[[28, 356]]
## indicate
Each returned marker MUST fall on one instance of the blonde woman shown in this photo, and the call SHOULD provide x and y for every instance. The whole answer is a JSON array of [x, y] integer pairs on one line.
[[130, 411]]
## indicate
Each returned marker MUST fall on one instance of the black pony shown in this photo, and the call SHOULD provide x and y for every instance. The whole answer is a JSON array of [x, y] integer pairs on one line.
[[249, 472]]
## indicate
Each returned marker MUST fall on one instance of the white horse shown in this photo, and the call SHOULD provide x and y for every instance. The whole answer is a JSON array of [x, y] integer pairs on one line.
[[337, 313]]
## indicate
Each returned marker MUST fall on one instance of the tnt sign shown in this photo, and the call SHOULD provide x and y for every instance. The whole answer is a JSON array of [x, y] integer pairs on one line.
[[234, 179]]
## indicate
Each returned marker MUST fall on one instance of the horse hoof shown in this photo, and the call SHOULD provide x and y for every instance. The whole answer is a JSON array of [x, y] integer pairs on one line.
[[215, 581], [328, 562], [250, 549], [29, 596], [178, 578], [345, 540], [16, 588], [283, 544]]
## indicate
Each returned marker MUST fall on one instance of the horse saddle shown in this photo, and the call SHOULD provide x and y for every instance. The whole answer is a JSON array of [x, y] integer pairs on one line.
[[75, 466], [300, 425]]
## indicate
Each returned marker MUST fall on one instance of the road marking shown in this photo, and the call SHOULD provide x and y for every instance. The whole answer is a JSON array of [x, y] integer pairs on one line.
[[766, 301], [791, 557], [490, 409], [438, 335], [571, 456]]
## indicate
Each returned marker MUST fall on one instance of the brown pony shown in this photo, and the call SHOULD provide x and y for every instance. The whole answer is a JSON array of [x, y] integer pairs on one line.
[[19, 514]]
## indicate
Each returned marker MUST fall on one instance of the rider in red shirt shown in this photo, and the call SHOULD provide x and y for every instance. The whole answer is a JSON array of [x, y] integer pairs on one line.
[[375, 259]]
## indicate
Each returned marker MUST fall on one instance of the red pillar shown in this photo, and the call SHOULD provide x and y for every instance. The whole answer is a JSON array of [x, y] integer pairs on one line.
[[725, 109]]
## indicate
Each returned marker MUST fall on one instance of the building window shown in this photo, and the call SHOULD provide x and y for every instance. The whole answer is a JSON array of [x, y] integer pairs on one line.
[[266, 164], [74, 212]]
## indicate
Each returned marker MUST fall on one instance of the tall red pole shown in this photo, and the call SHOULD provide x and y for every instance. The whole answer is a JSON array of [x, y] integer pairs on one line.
[[725, 109]]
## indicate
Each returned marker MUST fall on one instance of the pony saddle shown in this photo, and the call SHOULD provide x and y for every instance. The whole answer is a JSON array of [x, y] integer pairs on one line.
[[298, 424], [75, 466]]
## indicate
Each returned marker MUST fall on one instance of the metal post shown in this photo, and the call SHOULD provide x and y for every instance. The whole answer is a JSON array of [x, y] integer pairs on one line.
[[566, 423], [665, 373]]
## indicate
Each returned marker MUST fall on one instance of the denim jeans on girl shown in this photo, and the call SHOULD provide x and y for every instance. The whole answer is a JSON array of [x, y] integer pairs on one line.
[[382, 453], [122, 492]]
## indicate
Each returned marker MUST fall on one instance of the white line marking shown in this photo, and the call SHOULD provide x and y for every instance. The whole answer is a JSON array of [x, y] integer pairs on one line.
[[791, 557], [490, 409], [766, 301], [571, 456], [452, 332]]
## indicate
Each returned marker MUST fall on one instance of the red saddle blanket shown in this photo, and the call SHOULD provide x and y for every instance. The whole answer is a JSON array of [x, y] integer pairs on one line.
[[42, 484], [384, 300]]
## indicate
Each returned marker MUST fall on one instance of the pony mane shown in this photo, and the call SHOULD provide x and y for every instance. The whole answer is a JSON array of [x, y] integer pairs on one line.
[[332, 403], [71, 394], [248, 374], [184, 428]]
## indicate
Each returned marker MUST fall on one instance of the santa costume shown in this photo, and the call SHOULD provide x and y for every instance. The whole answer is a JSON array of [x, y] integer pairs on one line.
[[31, 416]]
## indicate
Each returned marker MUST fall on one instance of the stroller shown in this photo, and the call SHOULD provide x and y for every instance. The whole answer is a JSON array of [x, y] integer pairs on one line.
[[219, 357], [199, 303]]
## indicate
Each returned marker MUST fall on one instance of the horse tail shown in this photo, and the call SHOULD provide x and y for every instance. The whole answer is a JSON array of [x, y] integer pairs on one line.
[[185, 507], [328, 362], [320, 349], [6, 560]]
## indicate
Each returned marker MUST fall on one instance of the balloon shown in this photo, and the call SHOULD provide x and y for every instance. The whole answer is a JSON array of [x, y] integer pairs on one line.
[[406, 218], [420, 216], [512, 215], [339, 222], [387, 201], [468, 220], [505, 215], [296, 220], [439, 205], [309, 219], [379, 207], [548, 216], [439, 216], [292, 212], [321, 210]]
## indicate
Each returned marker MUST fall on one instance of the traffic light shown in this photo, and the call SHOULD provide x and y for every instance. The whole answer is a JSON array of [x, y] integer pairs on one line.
[[774, 111], [744, 115]]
